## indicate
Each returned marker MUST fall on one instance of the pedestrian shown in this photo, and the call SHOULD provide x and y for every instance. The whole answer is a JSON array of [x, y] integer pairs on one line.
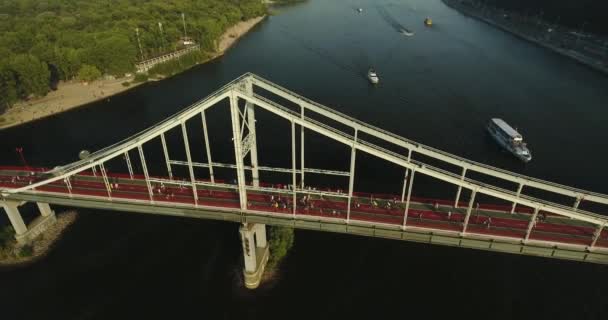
[[436, 206], [449, 215]]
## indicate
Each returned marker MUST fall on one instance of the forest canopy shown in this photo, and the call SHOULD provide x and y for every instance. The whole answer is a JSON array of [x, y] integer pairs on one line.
[[44, 39]]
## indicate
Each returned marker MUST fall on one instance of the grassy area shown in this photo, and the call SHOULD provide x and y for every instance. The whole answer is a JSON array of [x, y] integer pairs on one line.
[[281, 241]]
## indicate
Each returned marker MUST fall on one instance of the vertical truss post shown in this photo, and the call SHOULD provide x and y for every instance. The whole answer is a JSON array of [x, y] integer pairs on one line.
[[409, 195], [238, 153], [145, 169], [105, 180], [351, 176], [531, 223], [469, 209], [293, 165], [302, 147], [597, 234], [166, 153], [94, 171], [207, 146], [521, 186], [190, 167], [128, 160], [464, 172], [253, 149], [409, 157]]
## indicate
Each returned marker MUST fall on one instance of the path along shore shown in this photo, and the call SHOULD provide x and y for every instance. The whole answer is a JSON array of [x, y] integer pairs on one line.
[[555, 38], [73, 94]]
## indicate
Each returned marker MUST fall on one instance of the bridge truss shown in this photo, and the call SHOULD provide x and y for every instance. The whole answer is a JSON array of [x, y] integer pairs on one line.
[[245, 98]]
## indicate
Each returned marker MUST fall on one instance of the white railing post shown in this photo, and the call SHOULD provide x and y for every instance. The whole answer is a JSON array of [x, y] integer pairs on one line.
[[207, 146], [409, 195], [189, 159], [469, 209], [129, 167], [531, 223], [464, 172], [166, 153], [351, 177], [238, 153], [145, 170]]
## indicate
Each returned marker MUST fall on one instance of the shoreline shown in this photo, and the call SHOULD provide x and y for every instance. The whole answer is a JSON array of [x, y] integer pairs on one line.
[[10, 255], [567, 53], [74, 94]]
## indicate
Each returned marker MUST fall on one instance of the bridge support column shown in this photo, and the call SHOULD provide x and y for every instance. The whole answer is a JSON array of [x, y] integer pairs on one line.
[[255, 253], [26, 233]]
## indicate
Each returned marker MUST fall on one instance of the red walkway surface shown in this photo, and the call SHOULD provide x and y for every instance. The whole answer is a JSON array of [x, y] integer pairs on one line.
[[419, 215]]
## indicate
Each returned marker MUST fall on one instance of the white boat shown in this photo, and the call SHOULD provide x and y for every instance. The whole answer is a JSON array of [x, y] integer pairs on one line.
[[360, 10], [407, 32], [509, 139], [372, 76]]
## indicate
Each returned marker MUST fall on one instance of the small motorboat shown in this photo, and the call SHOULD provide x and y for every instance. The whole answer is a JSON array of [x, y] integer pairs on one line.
[[428, 22], [360, 10], [373, 76], [407, 32]]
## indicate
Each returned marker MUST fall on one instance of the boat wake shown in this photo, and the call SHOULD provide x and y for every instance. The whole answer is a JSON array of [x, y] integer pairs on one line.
[[386, 16]]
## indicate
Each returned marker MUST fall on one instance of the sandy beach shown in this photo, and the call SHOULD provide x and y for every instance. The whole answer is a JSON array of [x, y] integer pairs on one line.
[[73, 94]]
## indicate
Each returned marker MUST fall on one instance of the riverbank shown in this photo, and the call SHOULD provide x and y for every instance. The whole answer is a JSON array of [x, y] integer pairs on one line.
[[548, 36], [13, 254], [74, 94]]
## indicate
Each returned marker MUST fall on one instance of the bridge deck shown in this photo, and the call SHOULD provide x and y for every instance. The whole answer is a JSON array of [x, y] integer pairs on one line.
[[487, 221]]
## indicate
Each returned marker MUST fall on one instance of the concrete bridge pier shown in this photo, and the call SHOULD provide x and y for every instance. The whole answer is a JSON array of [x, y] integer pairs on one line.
[[26, 233], [255, 252]]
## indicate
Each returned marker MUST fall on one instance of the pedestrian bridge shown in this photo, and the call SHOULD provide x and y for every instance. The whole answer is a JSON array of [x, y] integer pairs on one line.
[[517, 222]]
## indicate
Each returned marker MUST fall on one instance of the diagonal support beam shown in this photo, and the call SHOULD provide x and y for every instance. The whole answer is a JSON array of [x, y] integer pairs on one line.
[[207, 146], [129, 167], [469, 209], [166, 153], [409, 158], [189, 159], [409, 195], [519, 188], [464, 172], [238, 153], [145, 170], [351, 178], [597, 234], [293, 165], [531, 223], [105, 180]]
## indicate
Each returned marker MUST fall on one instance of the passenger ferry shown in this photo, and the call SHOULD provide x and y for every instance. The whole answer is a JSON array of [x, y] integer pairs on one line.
[[509, 139], [372, 76]]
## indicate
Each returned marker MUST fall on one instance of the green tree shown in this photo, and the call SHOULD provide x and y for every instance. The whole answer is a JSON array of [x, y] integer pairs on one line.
[[281, 241], [32, 75], [88, 73], [115, 55], [8, 88]]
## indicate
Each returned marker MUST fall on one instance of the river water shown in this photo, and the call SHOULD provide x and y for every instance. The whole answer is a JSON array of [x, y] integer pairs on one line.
[[438, 87]]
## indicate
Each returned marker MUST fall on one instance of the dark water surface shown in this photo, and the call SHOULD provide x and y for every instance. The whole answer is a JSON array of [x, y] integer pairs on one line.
[[438, 87]]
